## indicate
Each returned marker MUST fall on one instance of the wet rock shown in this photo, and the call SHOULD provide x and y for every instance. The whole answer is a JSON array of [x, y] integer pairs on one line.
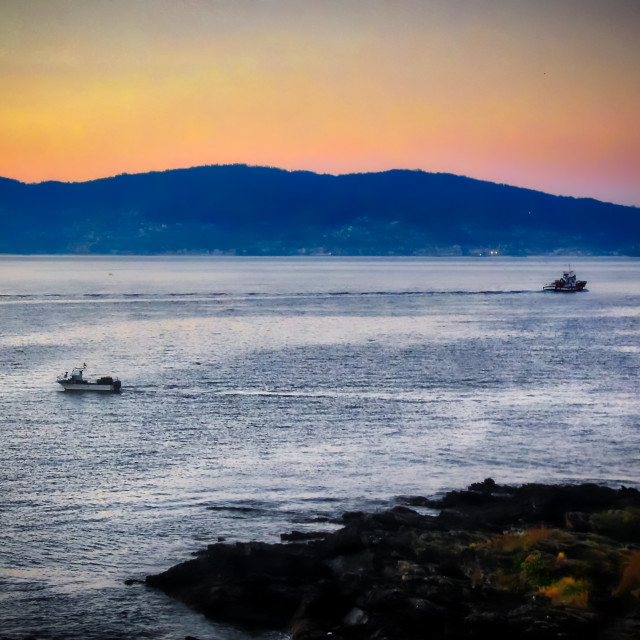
[[298, 536], [356, 617]]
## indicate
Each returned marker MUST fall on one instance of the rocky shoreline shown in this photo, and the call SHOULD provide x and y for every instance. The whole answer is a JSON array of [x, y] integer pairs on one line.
[[536, 562]]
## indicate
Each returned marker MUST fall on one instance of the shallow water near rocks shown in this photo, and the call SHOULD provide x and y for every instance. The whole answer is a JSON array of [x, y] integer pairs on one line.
[[265, 395]]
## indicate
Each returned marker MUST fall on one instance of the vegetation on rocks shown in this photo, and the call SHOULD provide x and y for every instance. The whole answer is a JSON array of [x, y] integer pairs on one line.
[[505, 562]]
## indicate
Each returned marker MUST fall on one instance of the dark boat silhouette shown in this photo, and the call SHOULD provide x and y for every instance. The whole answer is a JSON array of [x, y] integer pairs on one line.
[[568, 283]]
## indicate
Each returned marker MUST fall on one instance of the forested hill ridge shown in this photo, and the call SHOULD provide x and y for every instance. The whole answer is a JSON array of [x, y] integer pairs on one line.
[[245, 210]]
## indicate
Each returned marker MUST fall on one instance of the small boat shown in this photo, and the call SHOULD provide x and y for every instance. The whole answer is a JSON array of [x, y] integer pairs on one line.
[[77, 382], [567, 283]]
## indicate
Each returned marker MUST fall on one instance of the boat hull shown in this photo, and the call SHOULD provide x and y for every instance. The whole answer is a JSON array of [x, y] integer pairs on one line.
[[564, 288], [89, 386]]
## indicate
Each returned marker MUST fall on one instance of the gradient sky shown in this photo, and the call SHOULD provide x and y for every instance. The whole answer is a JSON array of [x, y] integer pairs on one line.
[[536, 93]]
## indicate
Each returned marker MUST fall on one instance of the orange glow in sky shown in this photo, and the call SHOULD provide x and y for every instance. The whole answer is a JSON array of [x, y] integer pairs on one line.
[[543, 94]]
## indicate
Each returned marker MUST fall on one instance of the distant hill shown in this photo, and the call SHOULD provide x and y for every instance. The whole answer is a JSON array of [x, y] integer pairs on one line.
[[265, 211]]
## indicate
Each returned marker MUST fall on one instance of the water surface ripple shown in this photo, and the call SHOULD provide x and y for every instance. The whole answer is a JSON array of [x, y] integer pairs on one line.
[[262, 395]]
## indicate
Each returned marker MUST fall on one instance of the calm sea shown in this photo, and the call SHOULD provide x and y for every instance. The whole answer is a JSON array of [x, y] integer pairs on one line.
[[259, 394]]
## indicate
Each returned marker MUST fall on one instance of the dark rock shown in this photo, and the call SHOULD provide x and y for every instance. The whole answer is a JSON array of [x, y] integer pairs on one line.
[[352, 515], [491, 506], [351, 564], [356, 617], [253, 583], [397, 574], [419, 501], [486, 486], [577, 520], [298, 536]]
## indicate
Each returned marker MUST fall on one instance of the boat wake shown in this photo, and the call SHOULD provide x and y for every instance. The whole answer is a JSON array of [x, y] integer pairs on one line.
[[91, 298]]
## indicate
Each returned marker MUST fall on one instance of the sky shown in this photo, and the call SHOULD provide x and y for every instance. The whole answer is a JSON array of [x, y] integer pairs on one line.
[[543, 94]]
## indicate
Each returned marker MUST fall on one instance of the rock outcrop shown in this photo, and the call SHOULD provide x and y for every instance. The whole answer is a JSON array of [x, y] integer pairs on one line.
[[532, 562]]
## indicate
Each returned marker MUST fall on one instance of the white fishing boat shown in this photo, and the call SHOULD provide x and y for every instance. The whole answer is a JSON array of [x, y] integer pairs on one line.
[[568, 283], [77, 382]]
